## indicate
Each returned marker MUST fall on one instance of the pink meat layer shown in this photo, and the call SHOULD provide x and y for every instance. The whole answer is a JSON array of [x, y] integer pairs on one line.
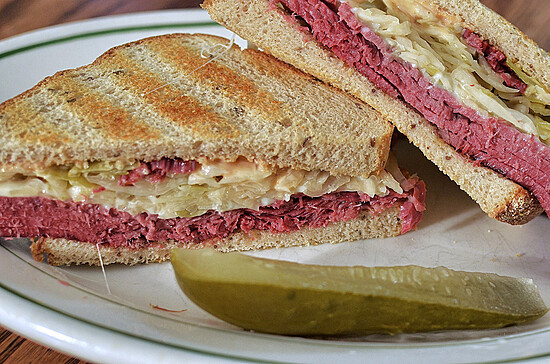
[[157, 171], [496, 59], [32, 217], [488, 140]]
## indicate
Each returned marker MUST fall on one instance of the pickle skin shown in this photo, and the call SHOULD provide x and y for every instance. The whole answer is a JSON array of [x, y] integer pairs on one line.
[[255, 299]]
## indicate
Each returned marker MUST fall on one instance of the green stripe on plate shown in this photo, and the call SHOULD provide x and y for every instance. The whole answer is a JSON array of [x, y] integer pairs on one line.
[[103, 32]]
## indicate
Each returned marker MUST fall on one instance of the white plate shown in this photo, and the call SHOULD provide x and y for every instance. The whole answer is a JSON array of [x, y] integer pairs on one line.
[[123, 318]]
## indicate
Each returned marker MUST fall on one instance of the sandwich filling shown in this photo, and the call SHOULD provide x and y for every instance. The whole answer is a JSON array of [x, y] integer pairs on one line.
[[482, 104], [139, 203]]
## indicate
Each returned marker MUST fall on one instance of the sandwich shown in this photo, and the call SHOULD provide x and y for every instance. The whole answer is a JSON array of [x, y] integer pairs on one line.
[[463, 84], [187, 141]]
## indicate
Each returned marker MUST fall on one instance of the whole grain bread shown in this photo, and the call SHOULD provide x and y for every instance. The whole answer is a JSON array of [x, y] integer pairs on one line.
[[366, 226], [191, 97], [273, 31]]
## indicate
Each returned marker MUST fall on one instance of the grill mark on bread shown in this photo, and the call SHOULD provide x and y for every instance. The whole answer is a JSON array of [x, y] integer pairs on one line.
[[259, 69], [195, 69], [259, 62], [38, 129], [94, 109], [163, 106]]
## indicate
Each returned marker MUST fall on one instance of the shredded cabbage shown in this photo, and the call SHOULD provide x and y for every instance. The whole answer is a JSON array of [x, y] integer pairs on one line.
[[216, 185], [419, 37]]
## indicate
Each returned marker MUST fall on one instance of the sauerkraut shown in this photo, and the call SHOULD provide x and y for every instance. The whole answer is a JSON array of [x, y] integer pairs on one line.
[[420, 38], [216, 185]]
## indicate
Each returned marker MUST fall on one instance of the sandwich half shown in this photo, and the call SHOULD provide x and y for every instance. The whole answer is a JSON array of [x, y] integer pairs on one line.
[[463, 84], [187, 141]]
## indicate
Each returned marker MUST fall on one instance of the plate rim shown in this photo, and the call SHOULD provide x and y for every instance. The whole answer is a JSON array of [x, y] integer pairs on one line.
[[61, 330], [100, 26]]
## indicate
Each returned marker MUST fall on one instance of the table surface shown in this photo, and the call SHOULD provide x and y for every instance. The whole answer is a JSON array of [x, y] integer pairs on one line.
[[18, 16]]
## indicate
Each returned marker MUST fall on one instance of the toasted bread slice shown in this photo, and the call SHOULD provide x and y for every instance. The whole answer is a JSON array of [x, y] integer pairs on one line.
[[191, 97], [274, 31]]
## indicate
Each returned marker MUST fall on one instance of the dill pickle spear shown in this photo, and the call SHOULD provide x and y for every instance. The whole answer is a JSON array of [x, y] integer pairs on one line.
[[311, 300]]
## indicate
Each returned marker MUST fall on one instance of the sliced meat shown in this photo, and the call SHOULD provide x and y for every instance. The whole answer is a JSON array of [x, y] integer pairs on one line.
[[496, 59], [156, 171]]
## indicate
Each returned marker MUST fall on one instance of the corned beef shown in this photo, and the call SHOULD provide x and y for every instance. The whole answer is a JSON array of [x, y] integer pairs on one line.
[[490, 141], [156, 171], [496, 59], [40, 216]]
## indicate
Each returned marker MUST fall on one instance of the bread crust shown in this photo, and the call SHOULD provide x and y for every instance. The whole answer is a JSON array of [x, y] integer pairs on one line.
[[188, 96], [270, 29], [366, 226]]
